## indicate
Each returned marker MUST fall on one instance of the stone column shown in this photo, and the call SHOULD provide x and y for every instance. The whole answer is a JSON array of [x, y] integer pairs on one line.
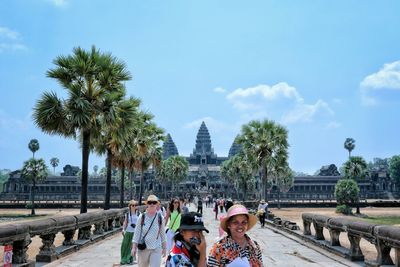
[[69, 237], [319, 231], [47, 251], [383, 257], [19, 250], [355, 252], [84, 232], [98, 228], [335, 234], [306, 227]]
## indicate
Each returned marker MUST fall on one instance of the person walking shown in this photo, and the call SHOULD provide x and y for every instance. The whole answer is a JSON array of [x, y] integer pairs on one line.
[[190, 245], [128, 229], [262, 211], [184, 208], [174, 217], [200, 206], [216, 207], [149, 237], [237, 248]]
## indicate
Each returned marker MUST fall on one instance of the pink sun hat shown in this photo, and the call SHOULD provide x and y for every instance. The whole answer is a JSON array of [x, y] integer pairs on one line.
[[238, 210]]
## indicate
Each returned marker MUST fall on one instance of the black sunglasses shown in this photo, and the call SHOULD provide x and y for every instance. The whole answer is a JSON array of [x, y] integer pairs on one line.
[[152, 202]]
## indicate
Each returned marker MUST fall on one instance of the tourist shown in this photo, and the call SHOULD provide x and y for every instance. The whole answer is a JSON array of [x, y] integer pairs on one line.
[[216, 207], [184, 208], [174, 218], [262, 211], [237, 248], [161, 210], [149, 237], [228, 203], [190, 245], [128, 229], [200, 206], [221, 205]]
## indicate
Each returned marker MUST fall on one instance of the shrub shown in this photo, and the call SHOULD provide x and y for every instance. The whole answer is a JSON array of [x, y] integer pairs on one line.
[[344, 209], [346, 192]]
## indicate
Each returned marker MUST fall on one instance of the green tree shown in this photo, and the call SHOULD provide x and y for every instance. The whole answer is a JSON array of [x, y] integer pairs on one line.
[[89, 78], [356, 168], [264, 142], [284, 180], [394, 168], [176, 170], [346, 192], [34, 171], [54, 163], [349, 144], [240, 173], [33, 146]]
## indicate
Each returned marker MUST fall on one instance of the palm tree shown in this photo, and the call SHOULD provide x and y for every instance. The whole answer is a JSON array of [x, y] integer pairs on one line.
[[95, 169], [356, 168], [283, 180], [34, 171], [54, 162], [114, 135], [177, 169], [33, 146], [349, 144], [89, 77], [242, 172], [263, 143]]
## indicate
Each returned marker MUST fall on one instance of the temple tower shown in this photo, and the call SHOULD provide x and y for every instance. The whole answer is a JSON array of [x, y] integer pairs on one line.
[[169, 148]]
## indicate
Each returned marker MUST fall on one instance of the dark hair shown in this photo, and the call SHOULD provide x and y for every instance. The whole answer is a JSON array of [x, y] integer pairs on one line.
[[171, 205]]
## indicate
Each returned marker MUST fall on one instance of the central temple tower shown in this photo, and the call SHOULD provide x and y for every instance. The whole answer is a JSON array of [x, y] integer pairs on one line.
[[203, 153]]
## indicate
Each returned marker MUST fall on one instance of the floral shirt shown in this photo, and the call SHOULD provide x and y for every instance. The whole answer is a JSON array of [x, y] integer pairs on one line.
[[226, 250]]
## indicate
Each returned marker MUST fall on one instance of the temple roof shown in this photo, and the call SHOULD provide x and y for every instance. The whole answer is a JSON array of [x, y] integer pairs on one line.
[[235, 148], [203, 141], [169, 148]]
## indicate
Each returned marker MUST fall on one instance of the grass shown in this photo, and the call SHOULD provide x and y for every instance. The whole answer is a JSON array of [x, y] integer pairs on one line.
[[387, 220]]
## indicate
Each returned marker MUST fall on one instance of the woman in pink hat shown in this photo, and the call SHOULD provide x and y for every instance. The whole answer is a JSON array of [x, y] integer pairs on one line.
[[237, 248]]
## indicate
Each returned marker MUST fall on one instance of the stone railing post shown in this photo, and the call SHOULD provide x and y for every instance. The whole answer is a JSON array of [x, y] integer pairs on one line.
[[307, 219], [20, 247], [355, 252], [98, 228], [383, 256], [68, 237], [85, 233], [47, 251], [319, 222]]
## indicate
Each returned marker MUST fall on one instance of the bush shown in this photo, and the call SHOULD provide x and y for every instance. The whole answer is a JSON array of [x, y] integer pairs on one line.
[[344, 209], [29, 205], [346, 192]]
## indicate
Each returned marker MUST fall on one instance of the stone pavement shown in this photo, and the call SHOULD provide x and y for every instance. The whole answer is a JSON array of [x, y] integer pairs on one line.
[[277, 249]]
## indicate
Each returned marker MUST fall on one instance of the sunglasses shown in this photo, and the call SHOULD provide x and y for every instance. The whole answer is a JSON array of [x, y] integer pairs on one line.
[[152, 202], [176, 202]]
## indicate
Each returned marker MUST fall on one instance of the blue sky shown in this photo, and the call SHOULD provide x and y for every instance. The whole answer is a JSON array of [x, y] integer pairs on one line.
[[326, 70]]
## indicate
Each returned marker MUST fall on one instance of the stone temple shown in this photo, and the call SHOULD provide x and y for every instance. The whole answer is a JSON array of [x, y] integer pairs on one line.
[[203, 178]]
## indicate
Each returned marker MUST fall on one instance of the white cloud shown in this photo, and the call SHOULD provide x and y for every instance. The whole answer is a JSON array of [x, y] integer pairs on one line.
[[269, 93], [306, 113], [333, 125], [220, 90], [6, 33], [388, 77], [10, 40], [277, 100], [59, 3]]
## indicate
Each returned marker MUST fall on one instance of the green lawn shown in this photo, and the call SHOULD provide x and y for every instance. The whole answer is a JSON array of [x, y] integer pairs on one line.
[[389, 220]]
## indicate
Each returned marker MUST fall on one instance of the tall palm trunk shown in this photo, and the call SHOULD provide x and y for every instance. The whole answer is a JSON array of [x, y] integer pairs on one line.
[[85, 170], [131, 185], [33, 198], [121, 198], [141, 185], [108, 181], [279, 198]]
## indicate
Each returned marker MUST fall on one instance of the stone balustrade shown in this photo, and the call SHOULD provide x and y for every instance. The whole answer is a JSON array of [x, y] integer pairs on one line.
[[91, 227], [383, 237]]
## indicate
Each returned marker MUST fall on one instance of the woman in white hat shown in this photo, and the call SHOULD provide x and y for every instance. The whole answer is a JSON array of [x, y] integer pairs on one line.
[[237, 248], [149, 237]]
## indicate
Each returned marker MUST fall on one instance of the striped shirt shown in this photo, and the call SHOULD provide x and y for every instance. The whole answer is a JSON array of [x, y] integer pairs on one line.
[[155, 235], [226, 250]]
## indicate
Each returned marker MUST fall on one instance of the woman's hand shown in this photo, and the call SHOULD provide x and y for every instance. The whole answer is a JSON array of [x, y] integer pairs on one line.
[[202, 246]]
